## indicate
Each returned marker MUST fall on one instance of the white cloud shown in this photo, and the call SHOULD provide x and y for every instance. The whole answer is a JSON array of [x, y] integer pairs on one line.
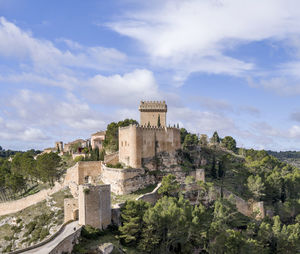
[[127, 89], [294, 131], [201, 122], [46, 57], [191, 35]]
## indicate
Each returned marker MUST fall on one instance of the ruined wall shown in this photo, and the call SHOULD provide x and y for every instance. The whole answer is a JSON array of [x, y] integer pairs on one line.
[[126, 180], [81, 170], [94, 205], [70, 209], [137, 143]]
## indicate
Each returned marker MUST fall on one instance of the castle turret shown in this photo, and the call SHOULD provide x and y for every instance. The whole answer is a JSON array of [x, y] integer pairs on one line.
[[153, 113]]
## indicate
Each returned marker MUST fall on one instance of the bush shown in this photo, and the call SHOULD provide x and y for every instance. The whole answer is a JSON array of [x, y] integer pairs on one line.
[[90, 232], [79, 158], [118, 165]]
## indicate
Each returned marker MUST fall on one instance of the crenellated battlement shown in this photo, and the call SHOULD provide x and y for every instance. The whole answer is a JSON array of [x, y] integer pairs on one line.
[[144, 127], [154, 106]]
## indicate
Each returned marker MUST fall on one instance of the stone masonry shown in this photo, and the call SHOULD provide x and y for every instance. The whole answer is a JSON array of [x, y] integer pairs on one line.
[[153, 112], [94, 205]]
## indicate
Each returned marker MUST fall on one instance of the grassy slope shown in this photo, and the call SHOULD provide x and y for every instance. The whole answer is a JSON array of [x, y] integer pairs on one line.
[[47, 214]]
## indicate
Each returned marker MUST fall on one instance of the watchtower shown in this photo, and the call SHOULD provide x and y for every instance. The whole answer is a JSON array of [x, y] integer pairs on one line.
[[94, 205], [153, 113]]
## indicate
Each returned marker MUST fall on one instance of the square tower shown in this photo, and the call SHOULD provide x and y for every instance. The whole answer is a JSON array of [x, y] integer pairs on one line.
[[153, 113], [94, 205]]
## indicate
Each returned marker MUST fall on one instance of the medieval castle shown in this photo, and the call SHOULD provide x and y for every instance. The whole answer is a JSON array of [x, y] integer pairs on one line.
[[138, 145]]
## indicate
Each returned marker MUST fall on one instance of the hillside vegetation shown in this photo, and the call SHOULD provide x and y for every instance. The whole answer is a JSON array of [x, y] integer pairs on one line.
[[174, 225]]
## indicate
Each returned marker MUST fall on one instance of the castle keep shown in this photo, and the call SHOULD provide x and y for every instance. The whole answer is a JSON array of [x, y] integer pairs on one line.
[[153, 113], [139, 143]]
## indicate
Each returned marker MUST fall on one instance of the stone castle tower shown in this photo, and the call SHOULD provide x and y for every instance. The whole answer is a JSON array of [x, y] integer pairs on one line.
[[94, 205], [153, 113]]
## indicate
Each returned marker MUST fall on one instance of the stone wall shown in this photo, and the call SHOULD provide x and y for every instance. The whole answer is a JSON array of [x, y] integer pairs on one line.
[[126, 180], [94, 205], [20, 204], [70, 209], [138, 142], [151, 111], [111, 158], [66, 245], [83, 172]]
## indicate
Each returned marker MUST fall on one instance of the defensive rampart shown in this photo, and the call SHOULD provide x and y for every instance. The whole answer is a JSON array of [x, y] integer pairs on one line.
[[125, 180], [139, 142], [20, 204]]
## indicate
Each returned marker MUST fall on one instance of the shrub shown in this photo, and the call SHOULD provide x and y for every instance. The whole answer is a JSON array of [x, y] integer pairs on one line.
[[118, 165], [90, 232], [79, 158]]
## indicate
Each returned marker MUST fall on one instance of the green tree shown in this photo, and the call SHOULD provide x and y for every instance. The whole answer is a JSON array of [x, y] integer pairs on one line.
[[167, 225], [168, 185], [256, 186], [158, 121], [132, 221], [190, 140], [215, 139], [229, 143], [111, 142], [47, 166], [15, 182], [183, 133]]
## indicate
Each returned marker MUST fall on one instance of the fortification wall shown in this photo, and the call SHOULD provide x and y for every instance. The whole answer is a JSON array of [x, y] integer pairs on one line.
[[83, 169], [125, 180], [138, 142], [20, 204], [88, 169]]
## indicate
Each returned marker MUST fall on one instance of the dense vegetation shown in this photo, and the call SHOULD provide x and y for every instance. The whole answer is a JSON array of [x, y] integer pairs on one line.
[[24, 171], [291, 157], [173, 225], [111, 142]]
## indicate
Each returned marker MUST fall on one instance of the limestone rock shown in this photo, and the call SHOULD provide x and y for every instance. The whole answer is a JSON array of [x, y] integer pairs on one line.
[[106, 248]]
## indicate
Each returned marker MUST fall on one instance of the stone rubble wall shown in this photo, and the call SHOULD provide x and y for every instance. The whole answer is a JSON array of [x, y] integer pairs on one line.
[[126, 180]]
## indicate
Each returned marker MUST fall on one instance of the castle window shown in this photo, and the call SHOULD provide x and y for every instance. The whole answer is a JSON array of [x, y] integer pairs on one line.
[[122, 143], [125, 143]]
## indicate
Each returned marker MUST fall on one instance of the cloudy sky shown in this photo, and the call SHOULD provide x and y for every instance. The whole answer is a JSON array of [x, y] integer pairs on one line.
[[70, 67]]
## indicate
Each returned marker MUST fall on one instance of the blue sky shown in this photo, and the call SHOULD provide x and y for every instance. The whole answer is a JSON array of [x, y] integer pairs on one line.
[[68, 68]]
